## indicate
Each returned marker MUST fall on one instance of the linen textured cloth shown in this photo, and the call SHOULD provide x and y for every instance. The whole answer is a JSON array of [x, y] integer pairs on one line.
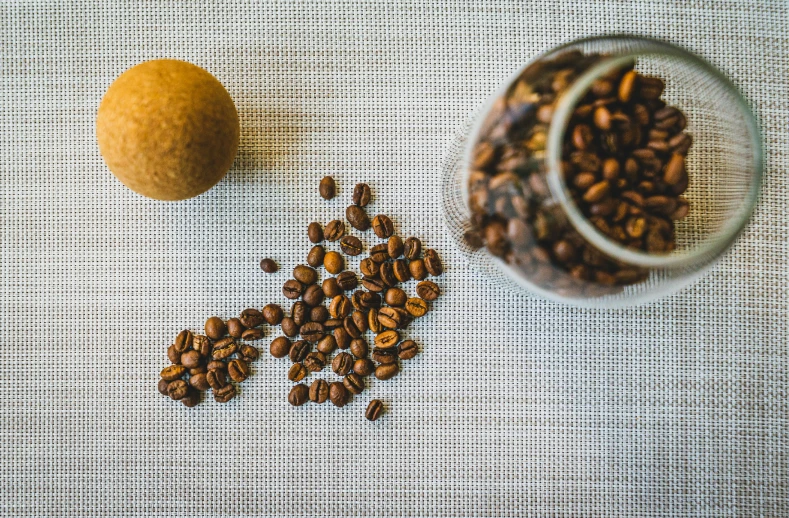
[[515, 406]]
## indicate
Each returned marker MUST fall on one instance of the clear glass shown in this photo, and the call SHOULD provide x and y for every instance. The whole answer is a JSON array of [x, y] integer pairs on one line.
[[724, 169]]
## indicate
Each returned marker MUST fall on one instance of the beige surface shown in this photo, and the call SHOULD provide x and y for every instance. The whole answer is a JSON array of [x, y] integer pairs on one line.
[[515, 407]]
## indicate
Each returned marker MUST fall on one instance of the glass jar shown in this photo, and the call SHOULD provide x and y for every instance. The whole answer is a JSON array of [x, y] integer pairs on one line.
[[607, 172]]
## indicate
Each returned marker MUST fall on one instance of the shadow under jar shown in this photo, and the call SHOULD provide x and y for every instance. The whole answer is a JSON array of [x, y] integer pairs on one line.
[[607, 172]]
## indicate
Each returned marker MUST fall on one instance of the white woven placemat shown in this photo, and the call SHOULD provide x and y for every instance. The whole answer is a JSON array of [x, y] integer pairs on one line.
[[515, 407]]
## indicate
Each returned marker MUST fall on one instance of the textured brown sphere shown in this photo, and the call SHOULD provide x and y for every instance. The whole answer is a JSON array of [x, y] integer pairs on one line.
[[168, 129]]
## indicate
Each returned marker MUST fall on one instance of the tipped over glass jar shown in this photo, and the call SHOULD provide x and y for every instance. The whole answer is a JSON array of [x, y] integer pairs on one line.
[[607, 172]]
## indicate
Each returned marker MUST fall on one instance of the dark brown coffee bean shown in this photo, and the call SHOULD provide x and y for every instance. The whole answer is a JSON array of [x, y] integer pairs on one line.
[[386, 274], [350, 327], [192, 398], [312, 331], [370, 300], [389, 318], [363, 367], [401, 271], [683, 206], [225, 394], [333, 262], [351, 245], [297, 372], [173, 372], [272, 314], [382, 226], [418, 269], [298, 395], [680, 143], [374, 285], [315, 232], [235, 328], [313, 295], [299, 350], [369, 268], [395, 247], [372, 321], [327, 188], [216, 365], [360, 320], [177, 389], [412, 248], [315, 256], [417, 307], [582, 136], [315, 361], [224, 348], [327, 344], [305, 275], [357, 217], [319, 314], [300, 313], [379, 253], [268, 265], [248, 353], [332, 323], [347, 280], [354, 383], [334, 230], [385, 356], [292, 289], [338, 394], [386, 339], [428, 290], [374, 410], [162, 386], [361, 194], [201, 369], [191, 359], [342, 363], [387, 371], [433, 263], [660, 204], [331, 288], [319, 391], [251, 317], [597, 192], [184, 341], [360, 348], [289, 327], [238, 370], [199, 381], [407, 350], [564, 251], [173, 355], [341, 337], [216, 378]]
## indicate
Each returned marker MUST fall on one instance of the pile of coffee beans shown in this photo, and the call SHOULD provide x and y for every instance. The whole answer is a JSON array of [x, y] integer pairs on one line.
[[623, 161]]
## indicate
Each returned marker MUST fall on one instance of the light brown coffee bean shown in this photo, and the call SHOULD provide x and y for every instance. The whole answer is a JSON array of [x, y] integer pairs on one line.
[[387, 339], [417, 307], [387, 371], [315, 361], [342, 364], [428, 290], [334, 230], [173, 355], [224, 348], [407, 350], [235, 328], [401, 271], [418, 269], [372, 321], [383, 226], [297, 372], [238, 370], [215, 328], [173, 372], [369, 268], [333, 262], [184, 341], [395, 247], [319, 391], [379, 253], [351, 245]]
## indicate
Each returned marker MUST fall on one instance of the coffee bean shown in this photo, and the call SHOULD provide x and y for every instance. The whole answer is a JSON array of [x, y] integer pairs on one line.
[[224, 348], [251, 317], [315, 232], [385, 356], [379, 253], [272, 314], [351, 245], [312, 331], [305, 275], [351, 328], [386, 339], [199, 381], [327, 344], [374, 410], [216, 378], [359, 347], [418, 269], [363, 367], [280, 347], [395, 247], [405, 317], [292, 289], [315, 256], [319, 391], [361, 194], [332, 323], [675, 169], [368, 267], [382, 226], [331, 288], [191, 399], [238, 370], [360, 320], [315, 361], [235, 328], [319, 314], [162, 386], [407, 350], [372, 321], [300, 313], [248, 353], [313, 295], [564, 251], [387, 371], [225, 394], [401, 271], [184, 341], [412, 248], [347, 280], [354, 383], [289, 327], [374, 285], [627, 86], [395, 297], [299, 350], [582, 136], [334, 230], [173, 355], [342, 364], [191, 359], [338, 394], [268, 265], [357, 217], [327, 188], [333, 262], [433, 263], [201, 369], [251, 335], [417, 307], [389, 318], [216, 365], [428, 290], [297, 372], [340, 307], [173, 372], [341, 337], [298, 395], [369, 300], [177, 389], [386, 273]]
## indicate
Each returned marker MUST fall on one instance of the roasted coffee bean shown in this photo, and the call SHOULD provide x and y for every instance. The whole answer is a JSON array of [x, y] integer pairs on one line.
[[418, 269], [327, 188], [405, 317], [379, 253], [235, 328], [332, 323], [312, 331], [199, 381], [315, 232], [313, 295], [627, 86], [305, 275], [224, 348], [374, 285], [319, 314], [198, 370], [369, 300], [173, 372], [369, 268], [202, 345], [372, 321], [338, 394], [361, 194], [382, 226], [191, 359], [319, 391], [299, 350], [238, 370], [401, 271], [386, 339], [564, 251], [184, 341], [251, 317], [360, 320], [354, 383], [433, 263], [357, 217], [272, 314], [289, 327], [297, 372], [216, 365], [173, 355], [216, 378], [417, 307], [387, 275], [162, 386], [389, 318], [333, 262], [374, 410], [225, 394], [331, 287], [248, 353], [300, 313], [387, 371], [363, 367], [407, 350], [340, 307], [292, 289], [356, 300], [334, 230], [298, 395], [428, 290], [315, 256], [315, 361], [385, 355], [359, 347], [395, 247], [412, 248], [395, 297], [342, 364], [327, 344], [350, 327], [347, 280], [268, 265], [177, 389], [341, 337], [351, 245]]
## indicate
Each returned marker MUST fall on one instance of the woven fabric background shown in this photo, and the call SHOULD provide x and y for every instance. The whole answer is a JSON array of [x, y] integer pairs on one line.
[[515, 407]]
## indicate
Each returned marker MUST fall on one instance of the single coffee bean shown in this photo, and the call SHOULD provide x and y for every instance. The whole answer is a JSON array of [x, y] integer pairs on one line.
[[280, 347], [198, 370], [289, 327], [386, 274], [359, 347], [327, 344], [357, 217], [395, 297], [369, 268], [351, 245], [379, 253], [173, 355], [235, 328], [342, 364], [383, 227], [216, 365], [338, 394], [363, 367], [374, 410], [627, 86], [300, 313], [199, 381], [433, 263], [350, 327], [395, 247], [238, 370], [292, 289], [416, 307], [299, 350], [299, 395], [356, 301], [268, 265], [372, 321], [384, 356], [251, 317], [370, 300], [315, 361], [418, 269], [389, 318], [333, 262], [297, 372], [272, 314], [313, 295], [332, 323], [315, 256], [248, 353], [386, 339], [304, 274], [319, 391], [319, 314], [177, 389], [312, 331], [216, 378], [360, 320], [192, 398], [184, 341], [401, 271], [407, 350], [387, 371], [354, 383], [162, 386], [412, 248], [331, 288], [334, 230], [340, 307], [202, 345], [315, 232], [374, 285], [327, 188], [428, 290], [675, 169], [173, 372], [341, 337], [347, 280], [361, 194], [405, 317], [191, 359], [225, 394], [224, 348]]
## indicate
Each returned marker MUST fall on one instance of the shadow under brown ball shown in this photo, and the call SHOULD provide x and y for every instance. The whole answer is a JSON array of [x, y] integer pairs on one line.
[[168, 129]]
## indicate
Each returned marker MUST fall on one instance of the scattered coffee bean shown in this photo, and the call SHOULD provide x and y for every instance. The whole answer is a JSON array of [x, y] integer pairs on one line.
[[319, 391], [369, 268], [251, 317], [418, 269], [385, 356], [387, 371], [289, 327], [338, 394], [305, 275], [433, 263], [216, 378], [428, 290], [268, 265], [359, 347], [173, 372], [313, 295], [214, 365], [184, 341], [401, 271], [347, 280], [299, 395], [299, 350], [360, 320], [224, 348], [417, 307], [292, 289], [351, 245], [235, 328], [357, 217], [340, 307], [332, 323], [315, 361], [342, 364], [342, 338], [363, 367], [361, 194], [280, 347], [297, 372], [379, 253], [327, 344], [248, 353], [312, 331], [412, 248], [199, 381], [300, 313], [374, 410], [383, 227], [350, 327], [334, 230], [202, 345], [369, 300], [374, 285], [386, 274], [238, 370], [191, 359], [225, 394], [389, 318], [192, 398], [333, 262], [372, 321], [315, 256], [327, 188], [273, 314], [177, 389], [319, 314], [395, 247], [354, 383], [198, 370], [162, 386], [386, 339], [173, 355], [315, 232], [407, 349]]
